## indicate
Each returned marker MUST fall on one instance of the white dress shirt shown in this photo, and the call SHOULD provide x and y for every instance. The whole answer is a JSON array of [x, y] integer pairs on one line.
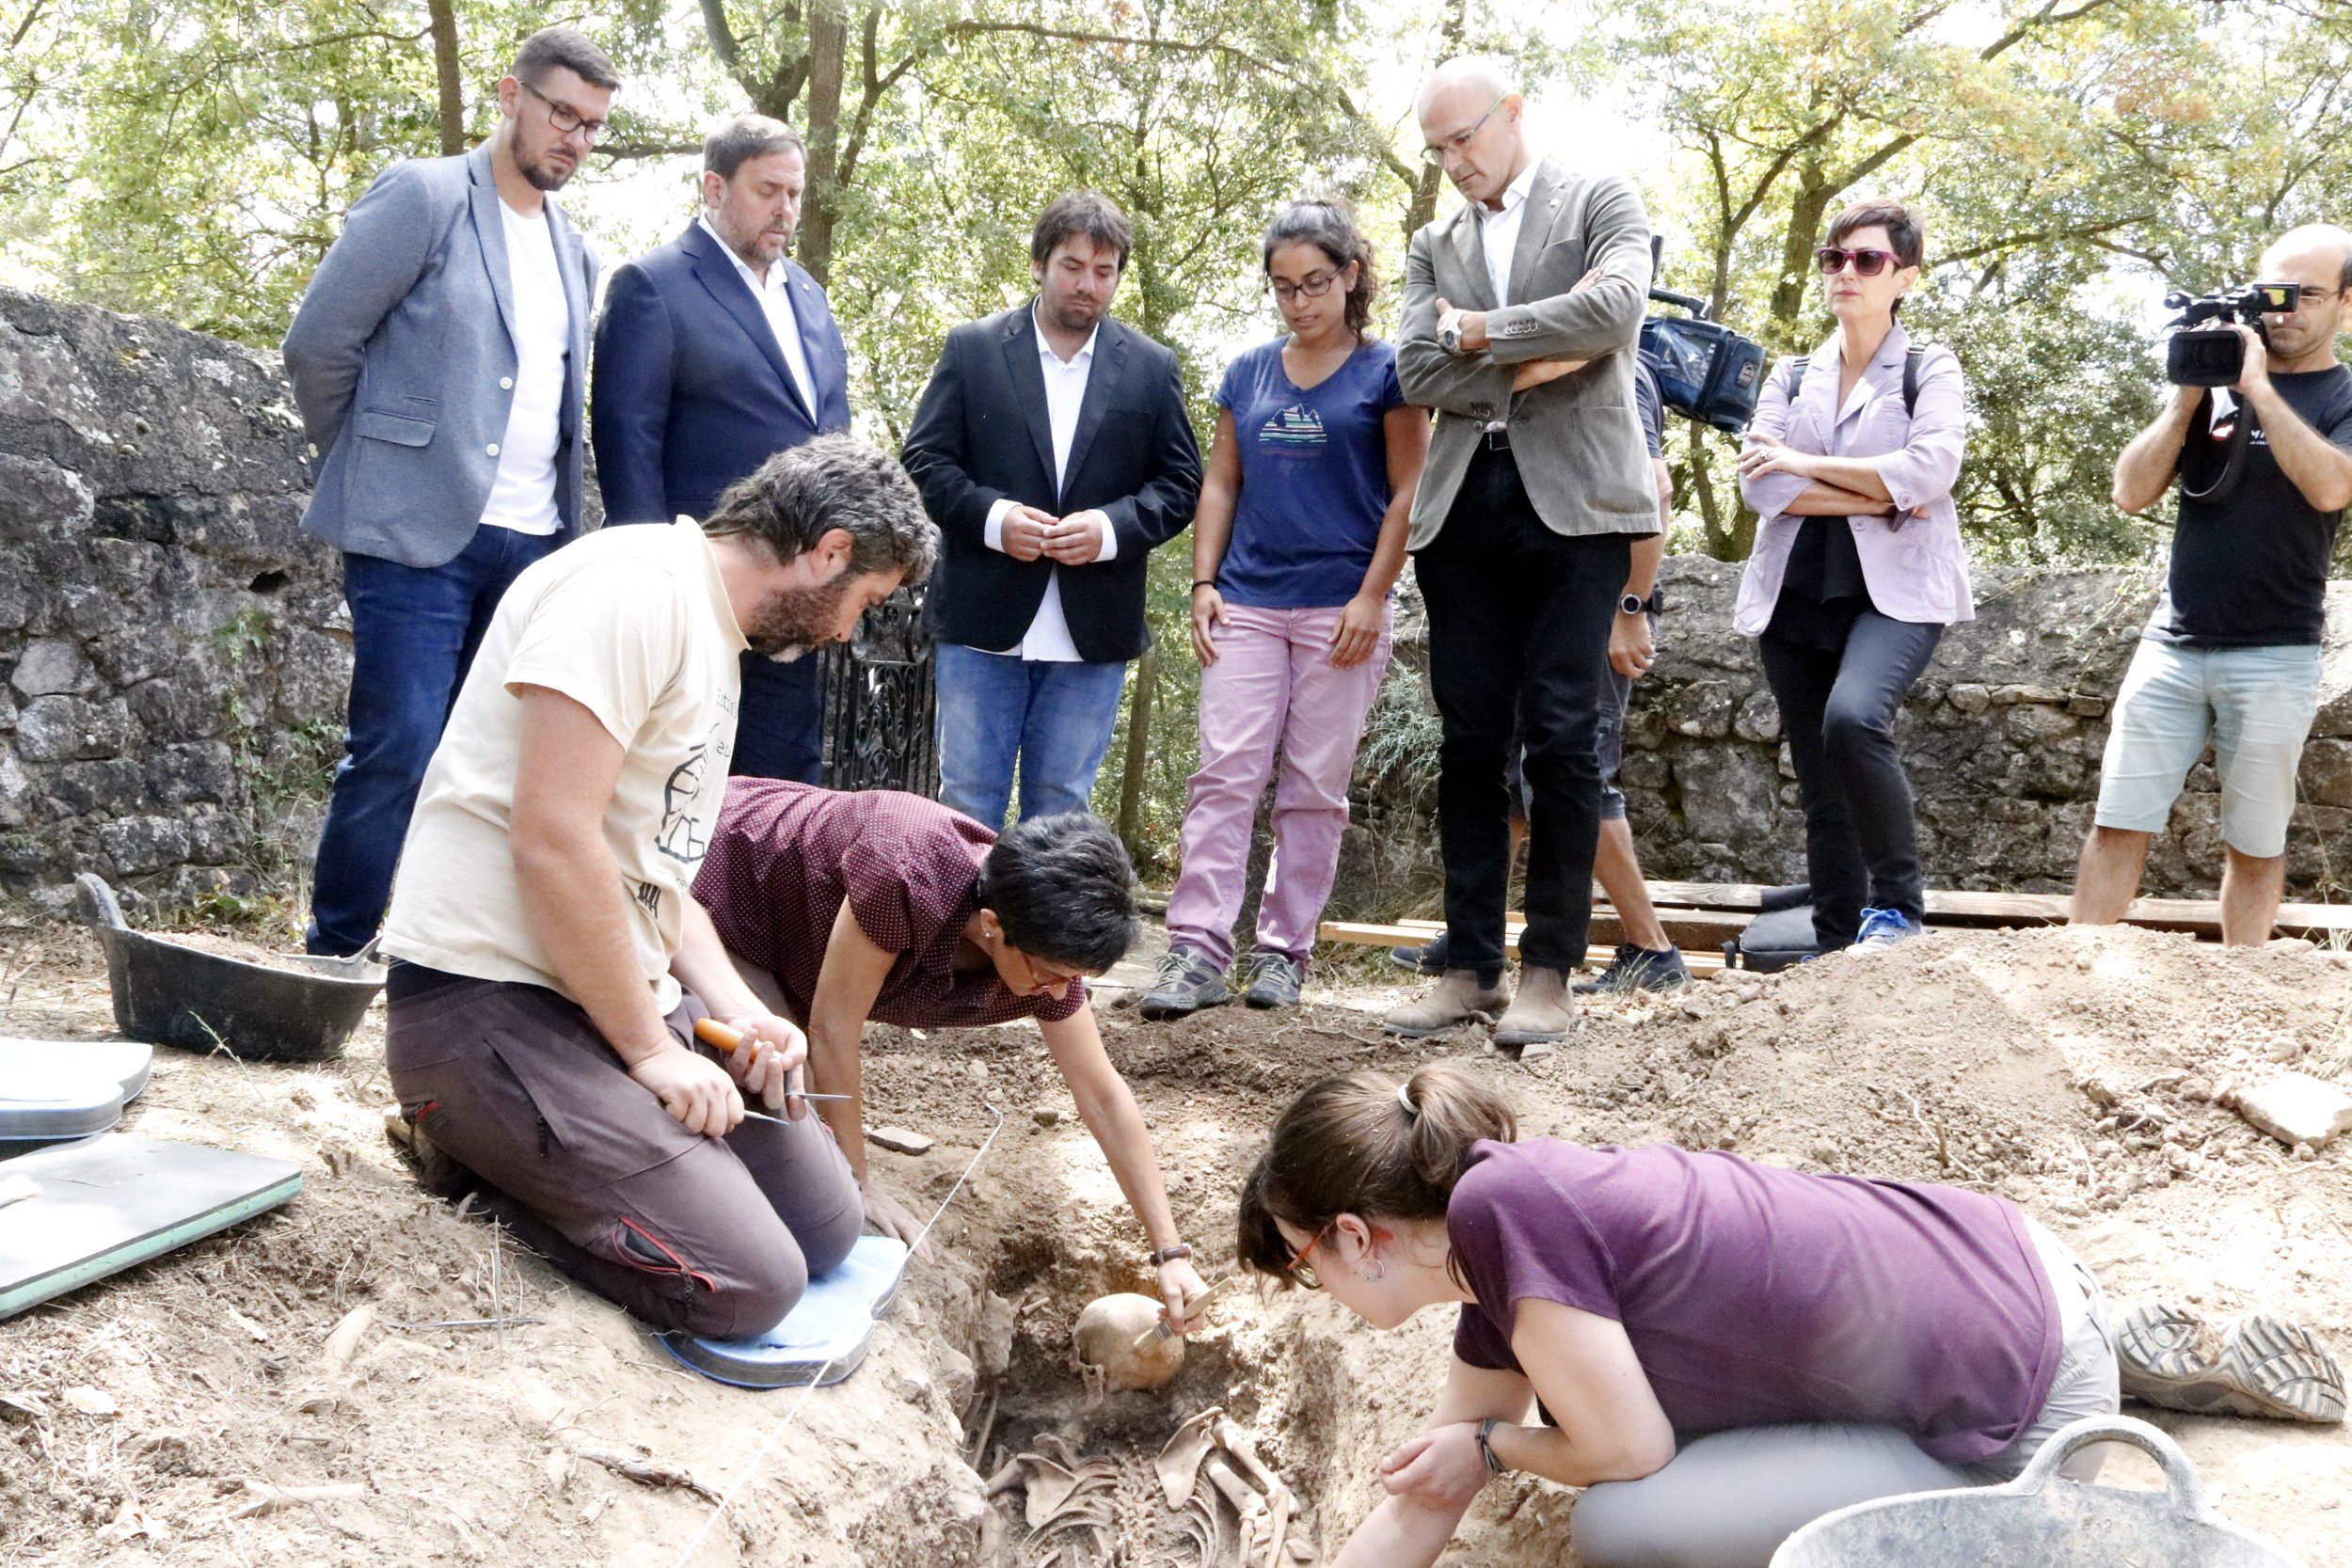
[[1047, 639], [775, 294], [1498, 231], [522, 490]]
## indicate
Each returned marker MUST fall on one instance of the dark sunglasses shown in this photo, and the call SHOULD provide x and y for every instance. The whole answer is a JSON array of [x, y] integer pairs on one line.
[[1867, 263]]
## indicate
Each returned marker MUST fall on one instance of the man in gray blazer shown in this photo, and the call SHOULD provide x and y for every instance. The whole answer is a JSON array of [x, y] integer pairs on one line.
[[1519, 320], [437, 359]]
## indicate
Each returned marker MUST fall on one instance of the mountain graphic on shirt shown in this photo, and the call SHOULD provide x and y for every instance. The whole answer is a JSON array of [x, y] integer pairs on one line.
[[1297, 428]]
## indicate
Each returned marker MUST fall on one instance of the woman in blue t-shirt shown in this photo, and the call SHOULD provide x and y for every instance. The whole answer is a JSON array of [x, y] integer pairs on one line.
[[1298, 539]]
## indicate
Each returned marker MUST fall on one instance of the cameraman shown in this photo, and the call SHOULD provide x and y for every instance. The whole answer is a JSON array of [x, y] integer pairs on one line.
[[2232, 653]]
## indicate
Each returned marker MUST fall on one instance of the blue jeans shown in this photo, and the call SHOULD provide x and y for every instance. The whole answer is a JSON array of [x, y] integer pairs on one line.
[[1053, 720], [414, 630]]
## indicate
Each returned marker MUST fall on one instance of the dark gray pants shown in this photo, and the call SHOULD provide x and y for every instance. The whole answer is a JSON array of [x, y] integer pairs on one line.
[[715, 1236], [1837, 711]]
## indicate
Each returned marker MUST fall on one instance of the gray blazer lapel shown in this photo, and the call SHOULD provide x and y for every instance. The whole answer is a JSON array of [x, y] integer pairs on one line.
[[1102, 381], [1028, 385], [490, 229], [1544, 198], [1472, 252], [572, 261]]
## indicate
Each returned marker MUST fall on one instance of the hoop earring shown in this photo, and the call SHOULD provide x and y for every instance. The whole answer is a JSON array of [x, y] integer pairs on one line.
[[1378, 1272]]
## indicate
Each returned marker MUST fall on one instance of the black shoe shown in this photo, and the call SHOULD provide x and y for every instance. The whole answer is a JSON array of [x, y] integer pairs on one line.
[[1639, 969], [1428, 958]]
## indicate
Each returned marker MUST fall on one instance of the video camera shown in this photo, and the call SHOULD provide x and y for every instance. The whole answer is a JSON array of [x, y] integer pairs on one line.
[[2216, 355]]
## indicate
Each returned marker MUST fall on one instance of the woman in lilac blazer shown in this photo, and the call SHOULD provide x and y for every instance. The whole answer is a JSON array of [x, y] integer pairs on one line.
[[1858, 568]]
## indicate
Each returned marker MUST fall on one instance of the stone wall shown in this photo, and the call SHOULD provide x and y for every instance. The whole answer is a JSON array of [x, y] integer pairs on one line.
[[173, 650], [2002, 736]]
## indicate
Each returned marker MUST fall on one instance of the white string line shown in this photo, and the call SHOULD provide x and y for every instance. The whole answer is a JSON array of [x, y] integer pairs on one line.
[[760, 1454]]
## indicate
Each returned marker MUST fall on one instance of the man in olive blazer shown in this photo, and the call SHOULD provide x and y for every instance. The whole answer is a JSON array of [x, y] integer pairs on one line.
[[1520, 316]]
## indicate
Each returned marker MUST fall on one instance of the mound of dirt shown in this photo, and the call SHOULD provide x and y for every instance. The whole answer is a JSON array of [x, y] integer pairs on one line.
[[2077, 1073]]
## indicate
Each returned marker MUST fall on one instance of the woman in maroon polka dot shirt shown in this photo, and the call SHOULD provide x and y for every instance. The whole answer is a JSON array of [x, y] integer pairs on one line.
[[887, 906]]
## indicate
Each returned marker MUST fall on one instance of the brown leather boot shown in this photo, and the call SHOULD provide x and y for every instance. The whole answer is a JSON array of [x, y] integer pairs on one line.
[[1456, 998], [1541, 1012]]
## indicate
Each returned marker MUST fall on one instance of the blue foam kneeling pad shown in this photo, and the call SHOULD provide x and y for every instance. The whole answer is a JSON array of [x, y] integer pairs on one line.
[[831, 1323]]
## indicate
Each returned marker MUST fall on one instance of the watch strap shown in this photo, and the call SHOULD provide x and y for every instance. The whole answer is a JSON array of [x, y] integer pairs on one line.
[[1486, 1444], [1168, 1255]]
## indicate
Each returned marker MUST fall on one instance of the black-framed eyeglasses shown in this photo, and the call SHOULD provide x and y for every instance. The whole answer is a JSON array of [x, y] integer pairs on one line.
[[1434, 154], [1314, 286], [565, 119], [1866, 262]]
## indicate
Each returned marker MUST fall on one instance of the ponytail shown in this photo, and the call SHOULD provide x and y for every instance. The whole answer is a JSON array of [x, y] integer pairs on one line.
[[1364, 1144]]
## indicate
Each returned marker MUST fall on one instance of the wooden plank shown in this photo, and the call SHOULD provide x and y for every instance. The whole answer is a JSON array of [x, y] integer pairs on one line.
[[1956, 907], [1413, 934]]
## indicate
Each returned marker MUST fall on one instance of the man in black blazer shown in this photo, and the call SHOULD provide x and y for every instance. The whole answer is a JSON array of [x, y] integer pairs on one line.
[[714, 353], [1053, 451]]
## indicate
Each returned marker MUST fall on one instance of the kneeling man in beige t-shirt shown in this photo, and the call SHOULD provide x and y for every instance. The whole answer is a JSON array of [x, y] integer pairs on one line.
[[550, 958]]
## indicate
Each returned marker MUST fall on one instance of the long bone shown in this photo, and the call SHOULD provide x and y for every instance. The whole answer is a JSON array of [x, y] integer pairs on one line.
[[1280, 1505]]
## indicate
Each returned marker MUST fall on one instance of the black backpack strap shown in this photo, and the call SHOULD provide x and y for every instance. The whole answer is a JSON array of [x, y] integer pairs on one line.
[[1912, 356], [1796, 365]]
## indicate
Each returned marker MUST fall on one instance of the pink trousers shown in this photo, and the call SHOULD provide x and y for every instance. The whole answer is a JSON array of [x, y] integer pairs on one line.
[[1273, 692]]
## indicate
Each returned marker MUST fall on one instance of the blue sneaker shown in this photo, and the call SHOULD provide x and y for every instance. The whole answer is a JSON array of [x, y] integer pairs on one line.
[[1882, 928]]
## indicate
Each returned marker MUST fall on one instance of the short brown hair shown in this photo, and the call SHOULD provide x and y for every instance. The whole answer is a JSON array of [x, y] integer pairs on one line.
[[793, 499], [1361, 1144], [1082, 213], [570, 48], [738, 142], [1905, 234]]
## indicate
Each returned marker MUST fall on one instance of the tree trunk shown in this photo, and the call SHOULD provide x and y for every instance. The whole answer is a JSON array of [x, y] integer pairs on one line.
[[828, 49], [1424, 206], [1815, 192], [443, 16], [1730, 531]]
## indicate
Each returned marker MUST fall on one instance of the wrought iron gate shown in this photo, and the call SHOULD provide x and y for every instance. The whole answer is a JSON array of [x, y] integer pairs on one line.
[[879, 703]]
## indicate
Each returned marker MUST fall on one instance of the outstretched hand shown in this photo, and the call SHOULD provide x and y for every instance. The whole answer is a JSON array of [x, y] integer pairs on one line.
[[889, 1216]]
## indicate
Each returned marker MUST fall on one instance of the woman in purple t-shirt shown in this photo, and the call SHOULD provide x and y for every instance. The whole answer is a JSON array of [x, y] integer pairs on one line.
[[1298, 539], [1724, 1350]]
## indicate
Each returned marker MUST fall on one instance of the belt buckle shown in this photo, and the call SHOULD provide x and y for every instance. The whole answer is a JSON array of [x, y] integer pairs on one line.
[[1497, 437]]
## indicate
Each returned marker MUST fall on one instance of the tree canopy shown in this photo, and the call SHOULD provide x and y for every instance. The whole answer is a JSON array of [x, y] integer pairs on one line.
[[2073, 158]]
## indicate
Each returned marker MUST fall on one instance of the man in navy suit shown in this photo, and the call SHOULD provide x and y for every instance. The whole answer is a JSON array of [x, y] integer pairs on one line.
[[1053, 451], [715, 353], [438, 360]]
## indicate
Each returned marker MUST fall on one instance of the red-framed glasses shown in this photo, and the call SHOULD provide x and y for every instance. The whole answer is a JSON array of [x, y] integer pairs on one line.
[[1297, 1268]]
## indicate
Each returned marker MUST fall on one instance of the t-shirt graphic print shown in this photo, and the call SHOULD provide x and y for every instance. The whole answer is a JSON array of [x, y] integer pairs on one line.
[[1297, 428]]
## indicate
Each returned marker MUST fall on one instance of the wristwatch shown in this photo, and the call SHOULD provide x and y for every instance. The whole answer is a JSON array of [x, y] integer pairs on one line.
[[1632, 603], [1450, 335], [1485, 1446]]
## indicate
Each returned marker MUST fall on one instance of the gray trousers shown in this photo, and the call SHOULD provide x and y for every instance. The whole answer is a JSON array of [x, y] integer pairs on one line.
[[714, 1236], [1728, 1499]]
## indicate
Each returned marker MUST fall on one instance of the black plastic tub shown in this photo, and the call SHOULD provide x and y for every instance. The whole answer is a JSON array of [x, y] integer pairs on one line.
[[169, 993]]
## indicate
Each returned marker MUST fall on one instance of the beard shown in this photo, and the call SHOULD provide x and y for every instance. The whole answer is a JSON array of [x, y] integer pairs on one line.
[[791, 621], [1073, 315], [543, 173]]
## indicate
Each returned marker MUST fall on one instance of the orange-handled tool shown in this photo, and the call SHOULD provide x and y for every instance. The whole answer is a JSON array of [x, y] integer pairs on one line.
[[725, 1036]]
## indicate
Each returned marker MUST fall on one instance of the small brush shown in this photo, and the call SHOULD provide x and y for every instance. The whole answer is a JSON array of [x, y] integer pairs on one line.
[[1163, 1329]]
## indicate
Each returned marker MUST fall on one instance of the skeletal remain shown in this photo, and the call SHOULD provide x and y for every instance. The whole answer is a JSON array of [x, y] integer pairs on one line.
[[1115, 1348], [1101, 1513]]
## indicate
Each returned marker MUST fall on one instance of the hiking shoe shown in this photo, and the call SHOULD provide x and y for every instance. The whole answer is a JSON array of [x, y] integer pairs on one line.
[[2265, 1366], [1428, 958], [1184, 983], [1270, 979], [1456, 998], [1638, 969], [1882, 928]]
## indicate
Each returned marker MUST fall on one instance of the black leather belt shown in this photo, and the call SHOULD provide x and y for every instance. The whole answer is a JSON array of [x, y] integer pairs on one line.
[[1497, 437]]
